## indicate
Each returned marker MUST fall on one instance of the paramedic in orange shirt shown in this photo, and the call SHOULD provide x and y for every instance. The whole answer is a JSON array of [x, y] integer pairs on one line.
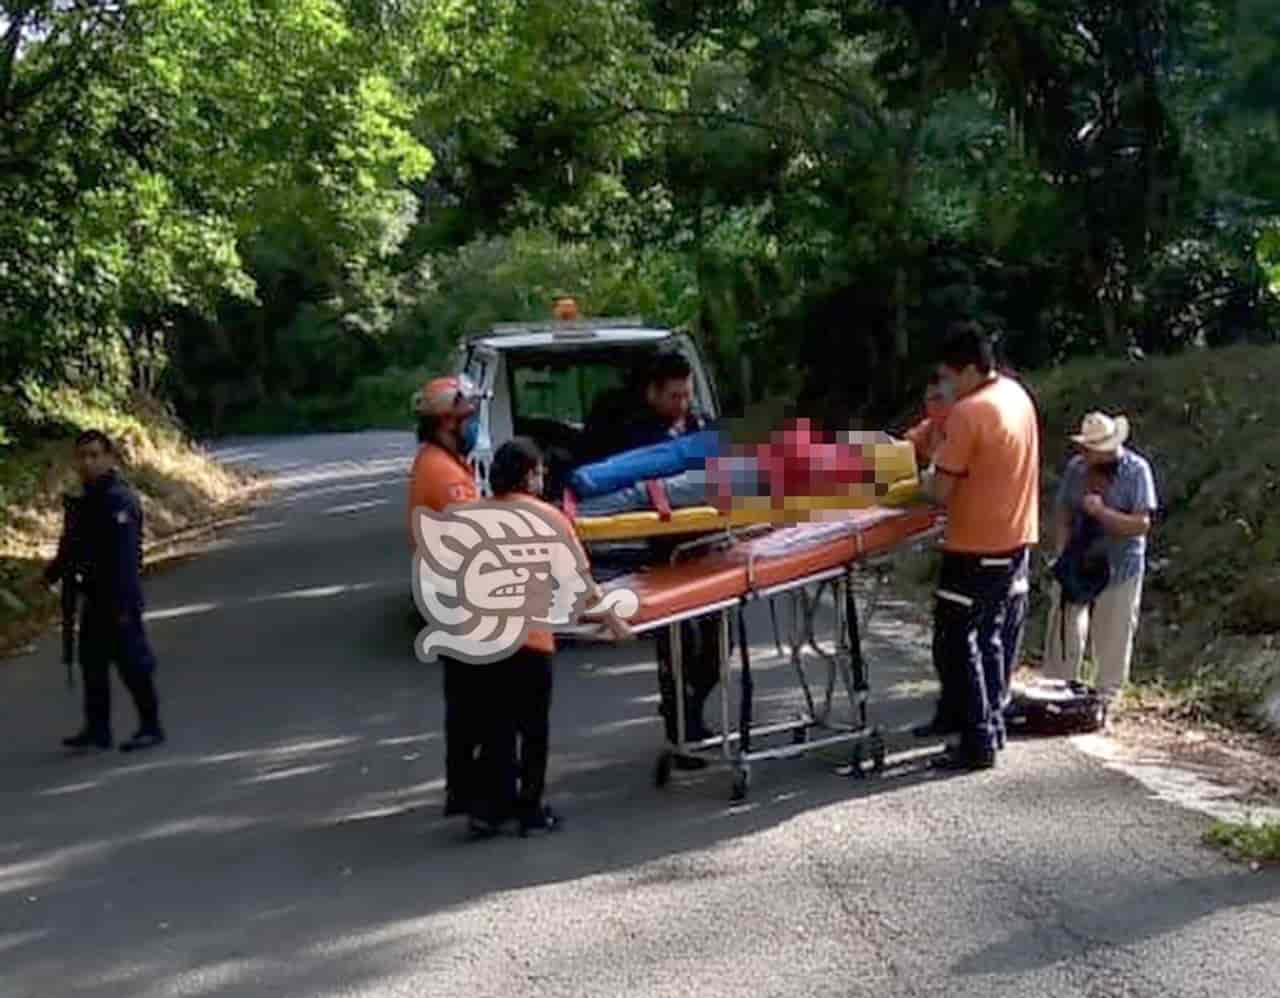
[[987, 474], [447, 426], [506, 787], [447, 430]]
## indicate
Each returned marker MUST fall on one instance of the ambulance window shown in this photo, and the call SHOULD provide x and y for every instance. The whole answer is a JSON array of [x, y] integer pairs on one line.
[[475, 369]]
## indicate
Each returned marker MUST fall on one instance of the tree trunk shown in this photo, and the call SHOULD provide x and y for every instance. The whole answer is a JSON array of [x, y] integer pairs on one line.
[[1110, 326], [1111, 310], [903, 183]]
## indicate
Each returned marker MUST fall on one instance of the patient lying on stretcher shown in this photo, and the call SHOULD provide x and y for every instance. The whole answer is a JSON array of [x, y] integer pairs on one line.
[[799, 461]]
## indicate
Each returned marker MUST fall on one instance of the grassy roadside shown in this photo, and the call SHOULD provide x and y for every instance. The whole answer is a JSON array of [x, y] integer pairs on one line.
[[1256, 842], [182, 490]]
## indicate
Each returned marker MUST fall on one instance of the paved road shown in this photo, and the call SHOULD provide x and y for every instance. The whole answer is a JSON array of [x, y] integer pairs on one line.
[[287, 842]]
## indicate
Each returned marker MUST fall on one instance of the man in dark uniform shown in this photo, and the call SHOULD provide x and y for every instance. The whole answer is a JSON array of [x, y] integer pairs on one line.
[[666, 413], [106, 552]]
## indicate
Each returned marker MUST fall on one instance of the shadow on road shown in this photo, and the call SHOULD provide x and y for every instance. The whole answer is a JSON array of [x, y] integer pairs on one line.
[[298, 802]]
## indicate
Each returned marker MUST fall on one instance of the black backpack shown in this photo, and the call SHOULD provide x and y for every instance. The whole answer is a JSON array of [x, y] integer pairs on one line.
[[1084, 570]]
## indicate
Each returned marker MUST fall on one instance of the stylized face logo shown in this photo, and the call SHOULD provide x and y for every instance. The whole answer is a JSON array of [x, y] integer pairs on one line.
[[539, 579], [485, 571]]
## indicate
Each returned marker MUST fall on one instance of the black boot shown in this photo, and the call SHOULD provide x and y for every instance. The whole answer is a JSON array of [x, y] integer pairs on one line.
[[538, 819], [146, 738], [89, 739], [965, 757]]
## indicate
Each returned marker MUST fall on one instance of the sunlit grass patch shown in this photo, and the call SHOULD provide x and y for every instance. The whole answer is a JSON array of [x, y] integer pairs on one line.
[[1246, 840]]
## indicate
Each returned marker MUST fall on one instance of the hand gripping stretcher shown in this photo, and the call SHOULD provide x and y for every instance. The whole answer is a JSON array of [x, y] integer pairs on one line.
[[723, 575]]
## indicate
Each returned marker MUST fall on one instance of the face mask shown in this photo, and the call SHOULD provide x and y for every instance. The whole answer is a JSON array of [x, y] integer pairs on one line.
[[946, 391], [470, 434]]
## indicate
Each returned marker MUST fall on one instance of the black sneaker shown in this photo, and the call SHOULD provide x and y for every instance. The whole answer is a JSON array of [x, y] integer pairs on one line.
[[87, 740], [542, 820], [961, 759], [144, 739], [482, 828]]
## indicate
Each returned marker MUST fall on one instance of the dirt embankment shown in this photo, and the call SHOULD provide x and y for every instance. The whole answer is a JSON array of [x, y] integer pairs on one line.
[[184, 493]]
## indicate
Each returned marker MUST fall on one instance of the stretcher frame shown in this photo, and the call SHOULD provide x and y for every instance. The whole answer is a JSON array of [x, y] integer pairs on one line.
[[845, 662]]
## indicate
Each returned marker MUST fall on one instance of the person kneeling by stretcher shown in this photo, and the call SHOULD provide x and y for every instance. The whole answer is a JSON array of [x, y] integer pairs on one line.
[[508, 784]]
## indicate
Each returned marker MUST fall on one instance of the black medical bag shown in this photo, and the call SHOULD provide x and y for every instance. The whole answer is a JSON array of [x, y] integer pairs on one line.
[[1055, 707]]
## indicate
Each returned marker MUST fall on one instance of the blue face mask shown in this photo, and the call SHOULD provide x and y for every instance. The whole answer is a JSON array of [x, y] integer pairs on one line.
[[470, 434]]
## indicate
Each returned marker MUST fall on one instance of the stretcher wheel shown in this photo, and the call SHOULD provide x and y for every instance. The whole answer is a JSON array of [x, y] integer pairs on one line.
[[741, 784], [877, 753], [799, 735], [662, 771]]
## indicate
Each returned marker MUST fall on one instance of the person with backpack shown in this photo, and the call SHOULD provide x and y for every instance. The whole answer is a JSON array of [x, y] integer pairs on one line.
[[1105, 506]]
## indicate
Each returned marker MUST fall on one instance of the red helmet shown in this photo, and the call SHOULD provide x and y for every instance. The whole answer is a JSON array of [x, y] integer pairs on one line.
[[454, 393]]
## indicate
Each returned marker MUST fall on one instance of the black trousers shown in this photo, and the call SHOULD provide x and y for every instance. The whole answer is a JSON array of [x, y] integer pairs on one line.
[[510, 775], [461, 728], [970, 620], [700, 661], [104, 640]]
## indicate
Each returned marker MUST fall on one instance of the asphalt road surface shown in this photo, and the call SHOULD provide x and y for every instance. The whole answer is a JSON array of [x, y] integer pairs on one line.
[[288, 840]]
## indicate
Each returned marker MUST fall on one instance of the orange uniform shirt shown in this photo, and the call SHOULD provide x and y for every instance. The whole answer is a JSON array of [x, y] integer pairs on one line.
[[438, 480], [991, 444], [538, 639]]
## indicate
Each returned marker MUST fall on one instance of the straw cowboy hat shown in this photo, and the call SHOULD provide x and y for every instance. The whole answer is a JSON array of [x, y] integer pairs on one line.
[[1101, 432]]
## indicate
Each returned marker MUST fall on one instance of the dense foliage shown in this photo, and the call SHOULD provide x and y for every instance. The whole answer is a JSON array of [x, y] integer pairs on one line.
[[265, 210]]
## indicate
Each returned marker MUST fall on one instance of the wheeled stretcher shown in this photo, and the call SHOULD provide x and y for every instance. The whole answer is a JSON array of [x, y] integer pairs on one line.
[[724, 576]]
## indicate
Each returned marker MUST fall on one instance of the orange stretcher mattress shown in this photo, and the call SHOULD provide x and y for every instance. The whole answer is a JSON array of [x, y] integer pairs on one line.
[[780, 556]]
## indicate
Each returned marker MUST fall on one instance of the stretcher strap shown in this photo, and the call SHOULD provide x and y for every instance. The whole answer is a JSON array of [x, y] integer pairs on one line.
[[658, 497]]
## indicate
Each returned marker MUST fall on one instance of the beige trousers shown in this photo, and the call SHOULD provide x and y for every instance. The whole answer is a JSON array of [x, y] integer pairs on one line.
[[1109, 629]]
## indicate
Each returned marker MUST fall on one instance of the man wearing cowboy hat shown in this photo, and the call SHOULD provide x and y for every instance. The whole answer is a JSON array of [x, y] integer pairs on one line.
[[1109, 488]]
